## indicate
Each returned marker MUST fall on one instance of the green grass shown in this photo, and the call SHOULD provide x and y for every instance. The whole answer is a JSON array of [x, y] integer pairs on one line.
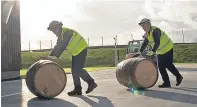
[[68, 70], [96, 58], [104, 57], [185, 53]]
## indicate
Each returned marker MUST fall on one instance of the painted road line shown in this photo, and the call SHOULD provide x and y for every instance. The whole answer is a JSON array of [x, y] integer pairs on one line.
[[10, 95]]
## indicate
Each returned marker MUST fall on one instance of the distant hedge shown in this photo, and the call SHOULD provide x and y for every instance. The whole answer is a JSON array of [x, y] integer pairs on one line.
[[183, 53]]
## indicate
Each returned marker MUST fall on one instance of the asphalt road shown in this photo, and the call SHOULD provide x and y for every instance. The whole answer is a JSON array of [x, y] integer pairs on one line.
[[108, 94]]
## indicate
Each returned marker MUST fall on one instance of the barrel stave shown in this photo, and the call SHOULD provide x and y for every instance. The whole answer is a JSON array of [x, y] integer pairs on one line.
[[30, 77]]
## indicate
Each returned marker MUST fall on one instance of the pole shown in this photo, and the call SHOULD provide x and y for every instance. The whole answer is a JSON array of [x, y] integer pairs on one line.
[[51, 44], [102, 40], [88, 41], [115, 49], [131, 37], [29, 46], [116, 39], [183, 36], [40, 45]]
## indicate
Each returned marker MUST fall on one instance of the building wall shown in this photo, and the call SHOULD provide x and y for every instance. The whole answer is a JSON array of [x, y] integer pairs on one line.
[[10, 39]]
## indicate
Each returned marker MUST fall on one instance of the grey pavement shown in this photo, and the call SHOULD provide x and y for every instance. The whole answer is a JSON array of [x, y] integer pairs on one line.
[[187, 67], [109, 93]]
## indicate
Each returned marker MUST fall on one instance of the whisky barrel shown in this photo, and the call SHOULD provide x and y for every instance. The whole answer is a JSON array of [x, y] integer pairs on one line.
[[46, 79], [137, 73]]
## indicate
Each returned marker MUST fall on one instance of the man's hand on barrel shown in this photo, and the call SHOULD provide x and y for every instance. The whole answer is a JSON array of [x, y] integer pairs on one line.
[[151, 53], [137, 54]]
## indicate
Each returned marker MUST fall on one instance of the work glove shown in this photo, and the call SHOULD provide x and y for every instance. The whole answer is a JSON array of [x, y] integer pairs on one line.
[[150, 53], [137, 54]]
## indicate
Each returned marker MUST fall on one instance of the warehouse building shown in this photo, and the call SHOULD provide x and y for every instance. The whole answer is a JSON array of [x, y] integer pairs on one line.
[[10, 40]]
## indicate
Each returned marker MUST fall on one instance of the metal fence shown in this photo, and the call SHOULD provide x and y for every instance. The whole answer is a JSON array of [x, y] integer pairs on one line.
[[49, 44]]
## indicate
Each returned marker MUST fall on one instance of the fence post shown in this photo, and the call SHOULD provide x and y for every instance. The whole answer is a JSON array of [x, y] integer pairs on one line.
[[40, 45], [183, 36], [51, 44], [102, 40], [115, 53], [29, 47], [117, 39], [88, 42]]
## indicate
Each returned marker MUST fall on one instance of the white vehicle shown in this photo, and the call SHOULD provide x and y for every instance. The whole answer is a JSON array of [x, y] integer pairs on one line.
[[134, 48]]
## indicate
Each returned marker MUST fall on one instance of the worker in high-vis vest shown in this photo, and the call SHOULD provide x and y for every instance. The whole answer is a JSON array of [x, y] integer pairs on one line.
[[162, 47], [75, 44]]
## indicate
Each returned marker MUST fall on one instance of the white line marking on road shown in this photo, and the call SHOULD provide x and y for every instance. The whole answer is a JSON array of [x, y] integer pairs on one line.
[[11, 81], [10, 95]]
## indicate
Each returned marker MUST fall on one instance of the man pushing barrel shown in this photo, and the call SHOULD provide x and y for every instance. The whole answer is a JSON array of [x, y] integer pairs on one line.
[[75, 44], [163, 46]]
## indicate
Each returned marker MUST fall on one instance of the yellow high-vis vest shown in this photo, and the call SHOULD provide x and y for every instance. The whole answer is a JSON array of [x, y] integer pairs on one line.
[[76, 44], [166, 43]]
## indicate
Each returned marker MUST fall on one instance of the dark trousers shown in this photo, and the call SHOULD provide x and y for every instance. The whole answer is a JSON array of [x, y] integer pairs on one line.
[[166, 61], [78, 63]]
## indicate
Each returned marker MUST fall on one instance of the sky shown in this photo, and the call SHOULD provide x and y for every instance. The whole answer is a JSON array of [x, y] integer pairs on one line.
[[108, 18]]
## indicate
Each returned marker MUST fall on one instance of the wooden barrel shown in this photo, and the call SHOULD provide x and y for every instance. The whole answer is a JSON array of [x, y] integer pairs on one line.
[[137, 73], [46, 79]]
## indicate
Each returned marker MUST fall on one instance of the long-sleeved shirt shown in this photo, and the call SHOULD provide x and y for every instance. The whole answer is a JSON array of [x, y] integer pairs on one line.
[[156, 37], [61, 44]]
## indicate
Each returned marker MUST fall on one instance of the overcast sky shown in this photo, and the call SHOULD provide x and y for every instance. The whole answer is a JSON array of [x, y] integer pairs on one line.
[[108, 18]]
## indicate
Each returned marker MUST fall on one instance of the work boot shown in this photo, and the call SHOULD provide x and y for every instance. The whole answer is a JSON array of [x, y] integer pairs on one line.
[[76, 91], [165, 85], [179, 80], [91, 87]]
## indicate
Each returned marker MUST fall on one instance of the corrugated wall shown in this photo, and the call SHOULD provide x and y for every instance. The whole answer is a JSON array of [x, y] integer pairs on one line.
[[10, 36]]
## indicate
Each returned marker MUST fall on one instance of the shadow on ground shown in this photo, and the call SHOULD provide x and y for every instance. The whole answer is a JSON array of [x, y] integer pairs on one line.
[[171, 96], [187, 69], [194, 90], [55, 102], [102, 101], [11, 93]]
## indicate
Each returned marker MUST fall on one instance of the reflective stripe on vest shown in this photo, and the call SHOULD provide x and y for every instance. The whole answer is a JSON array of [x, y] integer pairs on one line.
[[76, 43], [165, 42]]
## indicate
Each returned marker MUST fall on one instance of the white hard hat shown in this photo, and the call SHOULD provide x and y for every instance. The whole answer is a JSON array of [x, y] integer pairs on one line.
[[53, 23], [145, 20]]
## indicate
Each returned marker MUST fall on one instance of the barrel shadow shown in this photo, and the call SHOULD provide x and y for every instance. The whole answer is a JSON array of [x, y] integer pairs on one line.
[[171, 96], [55, 102], [103, 101]]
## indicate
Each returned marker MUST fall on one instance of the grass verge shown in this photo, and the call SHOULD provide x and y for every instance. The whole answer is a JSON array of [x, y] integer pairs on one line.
[[102, 57]]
